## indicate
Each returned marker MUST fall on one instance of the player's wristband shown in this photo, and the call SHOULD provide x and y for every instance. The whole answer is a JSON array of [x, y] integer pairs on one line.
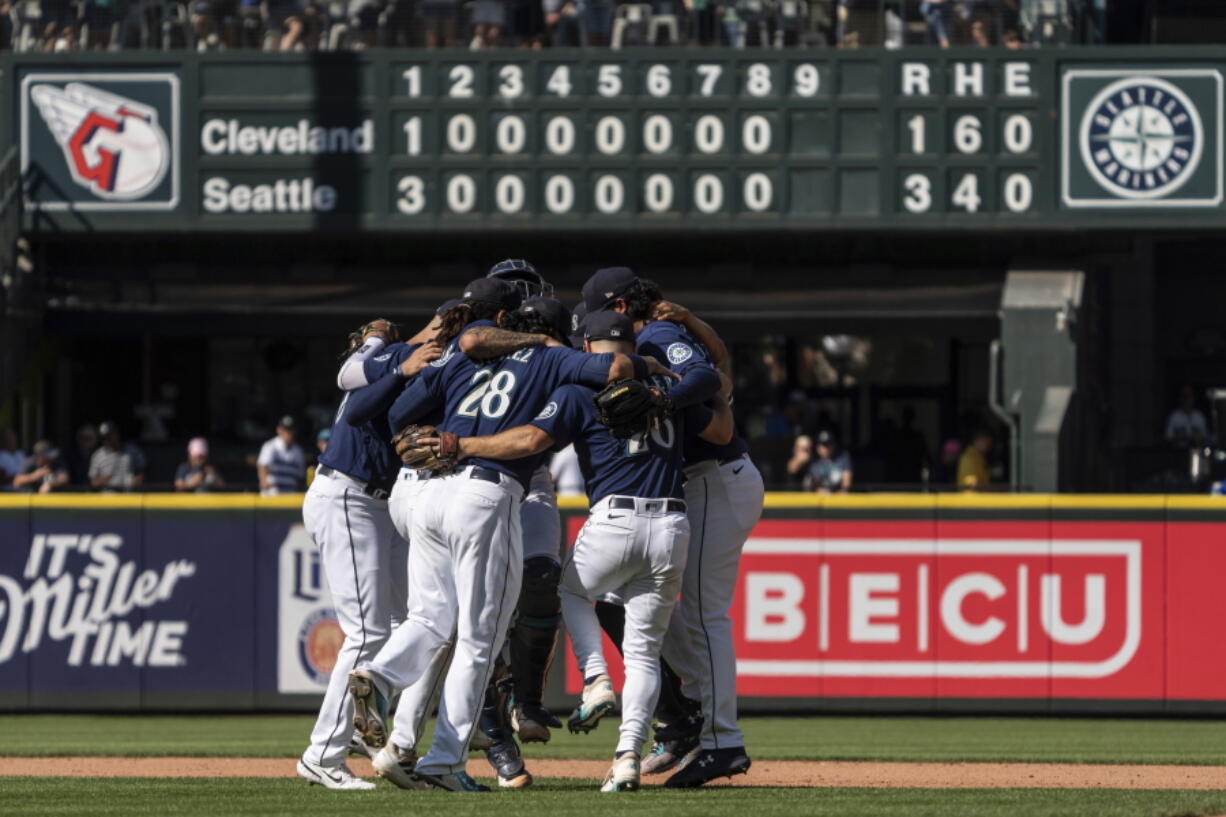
[[640, 367]]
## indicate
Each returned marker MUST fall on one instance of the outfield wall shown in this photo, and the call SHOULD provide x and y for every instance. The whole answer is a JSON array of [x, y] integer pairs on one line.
[[856, 603]]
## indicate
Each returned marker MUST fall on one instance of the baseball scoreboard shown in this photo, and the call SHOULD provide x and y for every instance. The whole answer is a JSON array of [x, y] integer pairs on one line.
[[596, 139]]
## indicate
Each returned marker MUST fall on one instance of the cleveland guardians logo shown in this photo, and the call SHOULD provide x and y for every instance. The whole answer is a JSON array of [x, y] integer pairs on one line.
[[1141, 138], [101, 141]]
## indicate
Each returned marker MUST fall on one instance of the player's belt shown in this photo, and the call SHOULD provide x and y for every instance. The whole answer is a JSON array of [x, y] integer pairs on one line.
[[633, 503], [487, 474], [365, 487]]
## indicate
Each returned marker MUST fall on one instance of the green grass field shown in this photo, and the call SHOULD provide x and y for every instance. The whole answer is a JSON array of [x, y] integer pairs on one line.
[[827, 738]]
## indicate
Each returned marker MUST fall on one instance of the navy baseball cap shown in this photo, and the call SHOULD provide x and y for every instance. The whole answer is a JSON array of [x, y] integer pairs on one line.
[[554, 313], [448, 304], [606, 285], [493, 291], [606, 325], [577, 315]]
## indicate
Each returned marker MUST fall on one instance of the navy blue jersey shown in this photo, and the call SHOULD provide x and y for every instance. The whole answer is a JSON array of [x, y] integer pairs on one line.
[[362, 451], [647, 465], [670, 344], [481, 399], [387, 360]]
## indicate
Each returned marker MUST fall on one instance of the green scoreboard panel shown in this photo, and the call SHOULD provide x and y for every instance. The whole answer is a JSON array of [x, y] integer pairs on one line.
[[642, 139]]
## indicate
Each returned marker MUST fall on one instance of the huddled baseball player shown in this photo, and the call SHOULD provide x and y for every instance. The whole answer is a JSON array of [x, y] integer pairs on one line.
[[364, 562], [723, 494], [637, 534], [465, 565]]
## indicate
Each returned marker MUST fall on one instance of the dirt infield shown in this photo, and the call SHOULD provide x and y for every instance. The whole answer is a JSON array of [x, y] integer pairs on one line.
[[779, 773]]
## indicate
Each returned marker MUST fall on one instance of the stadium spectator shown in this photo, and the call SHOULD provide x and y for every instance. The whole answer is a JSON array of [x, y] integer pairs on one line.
[[830, 471], [802, 457], [936, 15], [489, 17], [858, 23], [11, 458], [281, 466], [364, 15], [1186, 425], [439, 22], [115, 466], [947, 467], [561, 23], [321, 445], [973, 464], [198, 474], [43, 472]]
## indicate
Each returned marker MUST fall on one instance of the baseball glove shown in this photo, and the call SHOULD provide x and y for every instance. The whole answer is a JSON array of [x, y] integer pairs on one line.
[[629, 407], [379, 326], [440, 457]]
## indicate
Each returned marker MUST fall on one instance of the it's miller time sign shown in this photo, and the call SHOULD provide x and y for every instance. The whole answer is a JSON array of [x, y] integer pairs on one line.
[[1141, 137]]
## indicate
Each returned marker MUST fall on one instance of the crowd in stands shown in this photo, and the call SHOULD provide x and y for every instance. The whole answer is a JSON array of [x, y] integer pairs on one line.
[[308, 25]]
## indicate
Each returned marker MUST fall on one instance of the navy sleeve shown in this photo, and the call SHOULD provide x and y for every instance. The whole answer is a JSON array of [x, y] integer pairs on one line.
[[369, 402], [581, 368], [423, 396], [674, 348], [561, 417], [696, 419], [377, 367]]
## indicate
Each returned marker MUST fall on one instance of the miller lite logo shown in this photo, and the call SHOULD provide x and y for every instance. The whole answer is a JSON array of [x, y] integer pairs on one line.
[[1142, 138], [101, 141]]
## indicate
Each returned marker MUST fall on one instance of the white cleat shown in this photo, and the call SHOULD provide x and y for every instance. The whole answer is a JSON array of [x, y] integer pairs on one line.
[[623, 775], [332, 777], [397, 766], [598, 699]]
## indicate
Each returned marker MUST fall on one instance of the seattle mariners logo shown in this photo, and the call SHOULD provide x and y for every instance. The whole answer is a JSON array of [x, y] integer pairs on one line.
[[551, 408], [447, 355], [101, 141], [1141, 138], [679, 353]]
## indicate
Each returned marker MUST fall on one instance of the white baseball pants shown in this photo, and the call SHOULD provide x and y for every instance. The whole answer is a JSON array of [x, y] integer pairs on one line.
[[643, 550], [465, 568], [357, 547], [724, 503]]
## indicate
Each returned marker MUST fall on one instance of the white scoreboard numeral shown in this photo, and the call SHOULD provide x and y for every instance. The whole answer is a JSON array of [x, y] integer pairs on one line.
[[559, 81], [509, 194], [710, 74], [510, 135], [657, 133], [412, 135], [966, 194], [610, 194], [461, 194], [658, 192], [412, 79], [610, 135], [1018, 192], [560, 135], [756, 134], [412, 195], [461, 77], [1018, 134], [708, 193], [916, 125], [919, 193], [559, 194], [758, 192], [806, 80], [758, 81], [512, 81], [609, 80], [709, 134], [659, 80], [461, 133], [968, 134]]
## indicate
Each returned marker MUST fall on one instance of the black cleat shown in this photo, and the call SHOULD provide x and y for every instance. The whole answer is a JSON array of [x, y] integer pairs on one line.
[[666, 756], [688, 726], [709, 765]]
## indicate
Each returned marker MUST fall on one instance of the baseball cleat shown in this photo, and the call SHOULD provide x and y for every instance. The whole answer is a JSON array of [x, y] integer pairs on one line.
[[396, 766], [623, 775], [505, 758], [598, 698], [532, 721], [369, 708], [667, 755], [358, 747], [339, 778], [709, 764], [453, 781], [687, 726]]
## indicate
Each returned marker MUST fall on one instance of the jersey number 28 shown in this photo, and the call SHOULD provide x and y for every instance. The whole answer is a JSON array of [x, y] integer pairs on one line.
[[490, 394]]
